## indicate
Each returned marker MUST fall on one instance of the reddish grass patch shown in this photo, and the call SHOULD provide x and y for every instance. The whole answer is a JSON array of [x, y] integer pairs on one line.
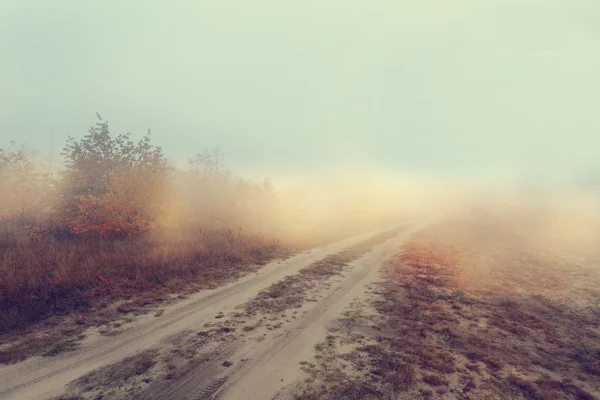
[[477, 339]]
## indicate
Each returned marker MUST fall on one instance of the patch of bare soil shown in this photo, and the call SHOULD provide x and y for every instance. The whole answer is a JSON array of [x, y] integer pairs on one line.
[[173, 358], [121, 377], [468, 313]]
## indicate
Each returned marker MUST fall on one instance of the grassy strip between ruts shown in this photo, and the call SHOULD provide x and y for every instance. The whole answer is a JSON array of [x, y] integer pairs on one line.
[[290, 292]]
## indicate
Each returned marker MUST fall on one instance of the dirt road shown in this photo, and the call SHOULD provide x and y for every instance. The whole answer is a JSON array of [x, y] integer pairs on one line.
[[227, 351]]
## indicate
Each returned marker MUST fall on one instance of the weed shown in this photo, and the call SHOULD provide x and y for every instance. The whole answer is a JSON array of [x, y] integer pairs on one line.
[[60, 347], [434, 380]]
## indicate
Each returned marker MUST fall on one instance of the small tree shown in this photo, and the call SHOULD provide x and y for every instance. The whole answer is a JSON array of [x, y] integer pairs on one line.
[[112, 186], [209, 187], [220, 200], [131, 203], [209, 164]]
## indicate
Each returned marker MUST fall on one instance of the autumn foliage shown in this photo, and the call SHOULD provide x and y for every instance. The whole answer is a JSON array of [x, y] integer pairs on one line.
[[129, 204], [116, 217]]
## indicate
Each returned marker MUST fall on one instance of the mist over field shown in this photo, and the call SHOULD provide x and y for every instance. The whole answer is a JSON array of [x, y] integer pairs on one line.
[[293, 88], [333, 199]]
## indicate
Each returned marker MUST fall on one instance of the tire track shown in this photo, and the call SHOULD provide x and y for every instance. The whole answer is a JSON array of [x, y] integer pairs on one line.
[[234, 384], [39, 378], [211, 389]]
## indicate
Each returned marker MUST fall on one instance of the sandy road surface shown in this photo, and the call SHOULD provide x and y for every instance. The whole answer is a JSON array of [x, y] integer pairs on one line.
[[39, 378], [280, 361], [267, 369]]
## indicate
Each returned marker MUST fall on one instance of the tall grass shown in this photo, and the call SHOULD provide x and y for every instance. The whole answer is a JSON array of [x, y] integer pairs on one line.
[[52, 274], [118, 218]]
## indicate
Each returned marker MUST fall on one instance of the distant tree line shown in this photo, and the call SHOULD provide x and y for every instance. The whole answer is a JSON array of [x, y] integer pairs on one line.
[[113, 187]]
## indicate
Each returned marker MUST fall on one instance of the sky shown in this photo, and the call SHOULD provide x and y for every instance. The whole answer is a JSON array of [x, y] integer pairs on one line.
[[287, 87]]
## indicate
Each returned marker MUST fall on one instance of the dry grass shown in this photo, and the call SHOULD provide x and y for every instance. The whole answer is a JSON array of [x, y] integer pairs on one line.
[[52, 289], [444, 330], [116, 374], [49, 275], [48, 344], [60, 346]]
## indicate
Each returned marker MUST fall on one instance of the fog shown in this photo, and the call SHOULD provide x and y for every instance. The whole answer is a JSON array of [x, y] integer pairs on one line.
[[332, 119], [288, 89], [355, 111]]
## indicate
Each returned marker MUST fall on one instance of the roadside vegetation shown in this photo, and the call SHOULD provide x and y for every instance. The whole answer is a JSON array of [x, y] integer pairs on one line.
[[468, 312], [117, 222], [208, 355]]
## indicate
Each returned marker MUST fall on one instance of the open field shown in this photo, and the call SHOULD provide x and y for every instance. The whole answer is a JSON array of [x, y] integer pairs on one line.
[[305, 200], [458, 309], [468, 311]]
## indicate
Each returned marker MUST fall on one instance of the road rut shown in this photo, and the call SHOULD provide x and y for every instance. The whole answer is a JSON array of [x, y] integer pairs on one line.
[[263, 369], [38, 377]]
